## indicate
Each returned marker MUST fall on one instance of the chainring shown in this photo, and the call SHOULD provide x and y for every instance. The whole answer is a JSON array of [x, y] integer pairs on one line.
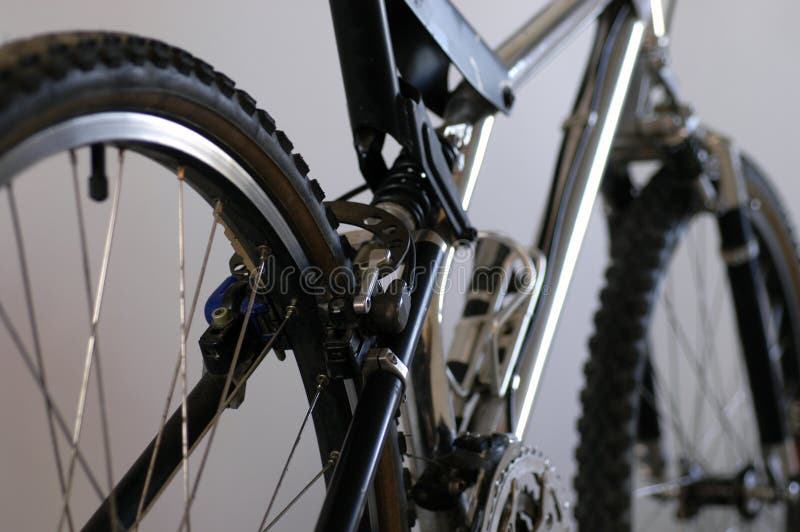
[[526, 494]]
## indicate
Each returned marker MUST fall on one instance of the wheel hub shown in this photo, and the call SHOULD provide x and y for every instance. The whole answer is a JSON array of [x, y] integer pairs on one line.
[[742, 491]]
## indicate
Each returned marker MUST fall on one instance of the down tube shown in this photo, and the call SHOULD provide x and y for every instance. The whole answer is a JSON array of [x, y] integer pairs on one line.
[[587, 143]]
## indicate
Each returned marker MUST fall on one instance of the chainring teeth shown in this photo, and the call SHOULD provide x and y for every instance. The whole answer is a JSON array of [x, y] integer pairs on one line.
[[524, 461]]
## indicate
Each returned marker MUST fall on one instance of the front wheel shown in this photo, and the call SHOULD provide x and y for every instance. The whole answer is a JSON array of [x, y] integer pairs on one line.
[[668, 434]]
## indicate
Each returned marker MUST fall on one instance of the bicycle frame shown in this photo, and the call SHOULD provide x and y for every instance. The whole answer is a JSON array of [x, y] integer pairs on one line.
[[375, 99]]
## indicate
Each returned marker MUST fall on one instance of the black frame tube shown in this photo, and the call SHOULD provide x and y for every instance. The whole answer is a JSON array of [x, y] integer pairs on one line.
[[752, 311], [202, 403], [368, 67], [377, 407]]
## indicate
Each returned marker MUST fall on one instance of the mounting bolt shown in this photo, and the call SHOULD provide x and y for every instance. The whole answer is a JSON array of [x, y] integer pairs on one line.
[[456, 486], [508, 97], [221, 317], [793, 491], [333, 457], [337, 306], [322, 380]]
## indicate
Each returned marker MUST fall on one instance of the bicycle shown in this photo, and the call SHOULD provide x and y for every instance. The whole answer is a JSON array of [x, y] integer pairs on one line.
[[360, 310]]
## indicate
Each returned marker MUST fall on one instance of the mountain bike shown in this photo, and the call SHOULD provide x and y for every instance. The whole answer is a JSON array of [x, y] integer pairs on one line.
[[691, 406]]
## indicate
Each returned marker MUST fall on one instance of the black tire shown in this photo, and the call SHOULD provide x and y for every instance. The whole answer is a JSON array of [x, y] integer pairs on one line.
[[644, 236], [48, 80]]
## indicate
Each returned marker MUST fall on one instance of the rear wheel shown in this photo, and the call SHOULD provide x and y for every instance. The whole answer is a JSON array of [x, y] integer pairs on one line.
[[669, 439], [105, 282]]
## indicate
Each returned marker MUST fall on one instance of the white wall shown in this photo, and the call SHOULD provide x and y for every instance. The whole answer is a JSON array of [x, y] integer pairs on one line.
[[736, 60]]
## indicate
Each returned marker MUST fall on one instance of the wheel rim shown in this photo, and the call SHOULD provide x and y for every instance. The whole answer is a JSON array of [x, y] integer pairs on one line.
[[127, 127]]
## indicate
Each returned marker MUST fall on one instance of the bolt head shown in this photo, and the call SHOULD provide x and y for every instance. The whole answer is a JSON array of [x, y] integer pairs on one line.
[[337, 306], [508, 97], [456, 486], [221, 317], [750, 480], [793, 490]]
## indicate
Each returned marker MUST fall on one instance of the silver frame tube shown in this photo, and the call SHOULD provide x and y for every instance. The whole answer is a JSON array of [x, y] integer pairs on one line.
[[585, 168], [544, 35]]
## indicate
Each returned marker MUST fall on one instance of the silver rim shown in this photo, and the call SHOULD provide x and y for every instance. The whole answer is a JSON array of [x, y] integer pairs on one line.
[[140, 127]]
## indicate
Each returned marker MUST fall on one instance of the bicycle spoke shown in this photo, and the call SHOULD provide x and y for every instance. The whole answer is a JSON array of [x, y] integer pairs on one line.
[[92, 342], [321, 383], [176, 371], [710, 326], [714, 325], [182, 307], [330, 463], [664, 390], [37, 346], [289, 313], [716, 303], [661, 488], [57, 415], [674, 370], [711, 439], [674, 420], [104, 426], [698, 278], [691, 357], [707, 332], [225, 397]]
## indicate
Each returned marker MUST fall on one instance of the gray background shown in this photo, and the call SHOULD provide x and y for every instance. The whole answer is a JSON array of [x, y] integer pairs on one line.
[[736, 60]]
